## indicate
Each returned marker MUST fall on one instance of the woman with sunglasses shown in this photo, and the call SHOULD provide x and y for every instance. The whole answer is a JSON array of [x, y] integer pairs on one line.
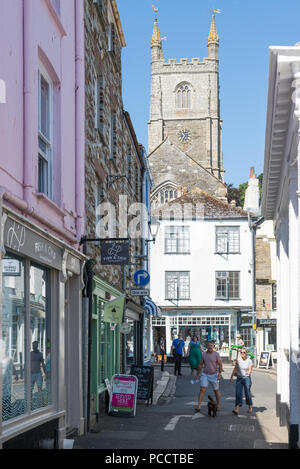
[[242, 371]]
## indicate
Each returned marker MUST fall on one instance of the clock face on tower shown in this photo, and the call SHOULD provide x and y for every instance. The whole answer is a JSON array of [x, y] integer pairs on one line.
[[184, 136]]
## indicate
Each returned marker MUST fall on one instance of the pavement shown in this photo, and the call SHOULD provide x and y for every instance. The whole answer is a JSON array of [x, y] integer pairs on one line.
[[171, 422]]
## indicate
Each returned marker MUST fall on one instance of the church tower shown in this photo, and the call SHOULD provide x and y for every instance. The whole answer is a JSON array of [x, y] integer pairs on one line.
[[185, 117]]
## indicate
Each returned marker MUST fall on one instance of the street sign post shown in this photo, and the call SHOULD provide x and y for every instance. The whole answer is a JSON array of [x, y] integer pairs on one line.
[[139, 291]]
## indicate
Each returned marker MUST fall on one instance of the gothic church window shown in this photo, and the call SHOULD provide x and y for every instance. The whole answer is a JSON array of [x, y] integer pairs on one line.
[[164, 195], [183, 96]]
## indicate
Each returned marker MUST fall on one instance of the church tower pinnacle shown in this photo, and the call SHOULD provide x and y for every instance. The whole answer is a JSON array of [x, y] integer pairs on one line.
[[213, 39], [156, 46]]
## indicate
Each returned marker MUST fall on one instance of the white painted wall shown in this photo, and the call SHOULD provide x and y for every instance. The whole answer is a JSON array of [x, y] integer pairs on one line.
[[202, 263]]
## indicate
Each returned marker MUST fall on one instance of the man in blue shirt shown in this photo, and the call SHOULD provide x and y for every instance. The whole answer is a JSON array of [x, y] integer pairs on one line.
[[178, 351]]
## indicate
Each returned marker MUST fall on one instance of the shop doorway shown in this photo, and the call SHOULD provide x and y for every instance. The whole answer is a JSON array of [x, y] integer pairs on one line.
[[159, 337]]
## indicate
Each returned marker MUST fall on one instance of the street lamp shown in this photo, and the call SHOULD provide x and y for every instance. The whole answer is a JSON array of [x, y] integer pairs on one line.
[[154, 225]]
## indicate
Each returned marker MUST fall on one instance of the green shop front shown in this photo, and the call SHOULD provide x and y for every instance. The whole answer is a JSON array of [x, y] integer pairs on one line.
[[105, 345], [115, 346]]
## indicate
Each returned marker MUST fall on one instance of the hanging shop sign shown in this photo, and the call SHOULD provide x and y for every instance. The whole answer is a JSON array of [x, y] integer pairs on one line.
[[266, 322], [114, 310], [114, 252], [123, 395]]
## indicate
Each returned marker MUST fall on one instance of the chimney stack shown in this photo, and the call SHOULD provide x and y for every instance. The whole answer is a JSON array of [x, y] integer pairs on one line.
[[251, 203]]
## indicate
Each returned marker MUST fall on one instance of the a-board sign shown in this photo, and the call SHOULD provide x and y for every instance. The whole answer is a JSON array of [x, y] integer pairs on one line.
[[265, 359], [123, 395], [145, 376]]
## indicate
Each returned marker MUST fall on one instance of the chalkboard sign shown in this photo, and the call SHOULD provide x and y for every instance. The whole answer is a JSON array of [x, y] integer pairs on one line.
[[145, 376]]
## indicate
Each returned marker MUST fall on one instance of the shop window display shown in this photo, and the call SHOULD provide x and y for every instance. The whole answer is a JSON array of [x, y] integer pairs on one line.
[[13, 344], [40, 358], [24, 387], [130, 352]]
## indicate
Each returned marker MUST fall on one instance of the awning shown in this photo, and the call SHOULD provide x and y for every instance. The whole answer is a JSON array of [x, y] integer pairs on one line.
[[151, 307]]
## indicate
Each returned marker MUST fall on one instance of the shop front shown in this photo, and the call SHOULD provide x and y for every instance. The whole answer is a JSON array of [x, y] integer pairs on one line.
[[38, 273], [217, 326], [133, 340], [246, 320], [266, 331], [106, 343]]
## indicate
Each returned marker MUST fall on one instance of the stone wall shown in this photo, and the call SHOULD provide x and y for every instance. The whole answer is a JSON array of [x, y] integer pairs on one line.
[[202, 118], [263, 277], [170, 163], [100, 63]]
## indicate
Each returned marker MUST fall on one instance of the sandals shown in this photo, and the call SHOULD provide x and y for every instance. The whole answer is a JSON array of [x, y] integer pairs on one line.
[[235, 412], [197, 410], [250, 410]]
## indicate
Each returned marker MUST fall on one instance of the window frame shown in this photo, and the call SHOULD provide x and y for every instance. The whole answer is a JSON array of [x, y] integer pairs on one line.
[[178, 239], [229, 242], [99, 87], [181, 274], [274, 296], [45, 156], [112, 38], [183, 96], [113, 136], [227, 284]]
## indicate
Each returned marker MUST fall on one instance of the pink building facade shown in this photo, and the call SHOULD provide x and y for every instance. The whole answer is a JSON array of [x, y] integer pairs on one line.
[[42, 144]]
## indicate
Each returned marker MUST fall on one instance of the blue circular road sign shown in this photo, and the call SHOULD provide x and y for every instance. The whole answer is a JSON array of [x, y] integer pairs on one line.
[[141, 278]]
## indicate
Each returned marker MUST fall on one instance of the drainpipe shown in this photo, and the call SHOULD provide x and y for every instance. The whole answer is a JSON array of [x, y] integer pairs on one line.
[[79, 117], [89, 288], [29, 109], [253, 225]]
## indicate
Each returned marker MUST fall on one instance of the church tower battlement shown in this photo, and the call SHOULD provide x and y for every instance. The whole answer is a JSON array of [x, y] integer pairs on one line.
[[184, 104]]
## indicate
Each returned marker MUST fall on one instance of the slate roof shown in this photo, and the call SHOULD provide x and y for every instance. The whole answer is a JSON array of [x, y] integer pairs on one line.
[[201, 203]]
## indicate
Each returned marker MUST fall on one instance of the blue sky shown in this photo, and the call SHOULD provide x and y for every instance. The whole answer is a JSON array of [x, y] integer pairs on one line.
[[246, 30]]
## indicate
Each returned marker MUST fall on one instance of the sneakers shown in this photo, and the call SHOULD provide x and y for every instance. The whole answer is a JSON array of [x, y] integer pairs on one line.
[[194, 381]]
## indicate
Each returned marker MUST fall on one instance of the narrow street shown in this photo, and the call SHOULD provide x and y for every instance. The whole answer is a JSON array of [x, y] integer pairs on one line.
[[173, 424]]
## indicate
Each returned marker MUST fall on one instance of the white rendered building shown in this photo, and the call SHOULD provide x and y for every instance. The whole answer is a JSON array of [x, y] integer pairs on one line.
[[280, 203], [201, 273]]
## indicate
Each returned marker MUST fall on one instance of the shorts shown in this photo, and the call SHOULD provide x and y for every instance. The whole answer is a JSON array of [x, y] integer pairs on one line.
[[212, 379]]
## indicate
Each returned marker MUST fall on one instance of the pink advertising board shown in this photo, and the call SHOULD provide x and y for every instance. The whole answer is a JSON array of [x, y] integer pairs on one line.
[[123, 395]]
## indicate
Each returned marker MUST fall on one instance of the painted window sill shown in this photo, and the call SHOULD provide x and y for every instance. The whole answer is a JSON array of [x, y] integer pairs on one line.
[[178, 253], [223, 253], [50, 203], [228, 299]]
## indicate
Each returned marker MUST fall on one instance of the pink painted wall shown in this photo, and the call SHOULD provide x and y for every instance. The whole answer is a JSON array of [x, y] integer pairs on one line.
[[55, 41]]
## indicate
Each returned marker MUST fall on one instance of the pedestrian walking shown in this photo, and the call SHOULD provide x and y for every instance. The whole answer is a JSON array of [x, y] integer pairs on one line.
[[194, 355], [239, 340], [242, 371], [178, 351], [211, 363]]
